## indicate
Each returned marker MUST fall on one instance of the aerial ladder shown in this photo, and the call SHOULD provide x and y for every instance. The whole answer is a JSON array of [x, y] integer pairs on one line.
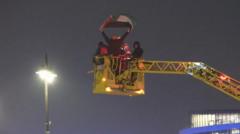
[[130, 81]]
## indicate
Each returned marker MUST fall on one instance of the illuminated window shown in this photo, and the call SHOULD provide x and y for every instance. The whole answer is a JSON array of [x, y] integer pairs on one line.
[[235, 131], [201, 120]]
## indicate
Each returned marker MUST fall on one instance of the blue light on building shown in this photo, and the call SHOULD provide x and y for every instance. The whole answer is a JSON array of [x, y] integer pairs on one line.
[[217, 122], [215, 129]]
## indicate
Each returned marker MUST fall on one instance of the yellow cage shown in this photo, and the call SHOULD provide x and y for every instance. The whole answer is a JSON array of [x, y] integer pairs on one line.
[[110, 77]]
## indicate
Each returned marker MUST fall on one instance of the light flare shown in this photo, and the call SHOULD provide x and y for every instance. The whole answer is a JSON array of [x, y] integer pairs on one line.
[[108, 89], [141, 91], [46, 75]]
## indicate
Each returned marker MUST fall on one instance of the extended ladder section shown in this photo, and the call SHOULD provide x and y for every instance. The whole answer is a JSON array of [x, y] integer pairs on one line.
[[198, 70]]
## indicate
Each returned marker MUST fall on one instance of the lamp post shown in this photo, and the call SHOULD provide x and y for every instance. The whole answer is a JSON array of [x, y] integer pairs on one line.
[[47, 77]]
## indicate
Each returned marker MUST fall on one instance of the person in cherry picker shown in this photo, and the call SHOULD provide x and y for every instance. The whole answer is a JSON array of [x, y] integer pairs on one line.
[[126, 51], [125, 57], [116, 42], [102, 50], [136, 55], [137, 50]]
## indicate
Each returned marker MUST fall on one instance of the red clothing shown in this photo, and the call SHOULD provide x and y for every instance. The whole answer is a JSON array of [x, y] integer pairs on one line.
[[103, 51], [114, 45], [125, 51]]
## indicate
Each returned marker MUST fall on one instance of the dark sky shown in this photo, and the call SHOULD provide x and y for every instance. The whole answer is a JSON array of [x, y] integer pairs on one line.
[[207, 31]]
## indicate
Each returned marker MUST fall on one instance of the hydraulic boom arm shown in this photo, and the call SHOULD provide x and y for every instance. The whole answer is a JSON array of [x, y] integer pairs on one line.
[[198, 70]]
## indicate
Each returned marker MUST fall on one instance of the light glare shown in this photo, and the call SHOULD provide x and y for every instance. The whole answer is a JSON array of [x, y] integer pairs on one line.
[[141, 91], [104, 79], [223, 77], [46, 75], [108, 89]]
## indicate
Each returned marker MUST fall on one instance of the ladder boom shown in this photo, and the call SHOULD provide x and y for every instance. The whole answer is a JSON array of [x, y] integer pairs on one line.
[[163, 67], [198, 70]]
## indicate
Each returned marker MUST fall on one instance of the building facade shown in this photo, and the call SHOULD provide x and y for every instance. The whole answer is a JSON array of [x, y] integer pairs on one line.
[[214, 122]]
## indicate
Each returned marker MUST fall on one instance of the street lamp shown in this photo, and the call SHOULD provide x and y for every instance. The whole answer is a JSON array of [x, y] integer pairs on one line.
[[47, 77]]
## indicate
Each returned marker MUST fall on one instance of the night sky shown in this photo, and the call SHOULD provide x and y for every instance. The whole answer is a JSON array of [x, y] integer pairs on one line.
[[207, 31]]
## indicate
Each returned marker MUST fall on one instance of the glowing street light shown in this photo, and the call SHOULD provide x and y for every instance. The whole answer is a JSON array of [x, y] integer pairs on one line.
[[47, 77]]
